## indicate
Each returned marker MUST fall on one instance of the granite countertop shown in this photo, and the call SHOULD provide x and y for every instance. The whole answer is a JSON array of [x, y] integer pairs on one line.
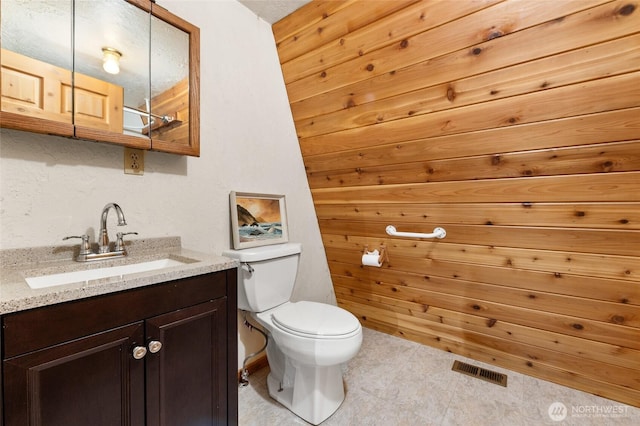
[[16, 264]]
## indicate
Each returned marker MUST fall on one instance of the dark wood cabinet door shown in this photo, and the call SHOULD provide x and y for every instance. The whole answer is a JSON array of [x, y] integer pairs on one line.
[[93, 381], [186, 378]]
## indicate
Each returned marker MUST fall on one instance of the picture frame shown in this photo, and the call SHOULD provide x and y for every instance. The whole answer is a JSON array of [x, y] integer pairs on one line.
[[257, 219]]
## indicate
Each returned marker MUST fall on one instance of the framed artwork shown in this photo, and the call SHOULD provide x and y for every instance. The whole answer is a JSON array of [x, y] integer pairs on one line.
[[257, 219]]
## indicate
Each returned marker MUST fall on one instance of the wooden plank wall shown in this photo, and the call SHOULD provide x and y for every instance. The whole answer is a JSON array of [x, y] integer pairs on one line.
[[173, 102], [513, 124]]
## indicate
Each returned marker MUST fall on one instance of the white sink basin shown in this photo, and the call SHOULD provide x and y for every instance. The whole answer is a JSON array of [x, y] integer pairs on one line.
[[94, 274]]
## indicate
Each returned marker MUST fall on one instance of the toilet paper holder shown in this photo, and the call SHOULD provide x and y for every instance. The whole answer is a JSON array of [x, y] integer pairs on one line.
[[382, 250]]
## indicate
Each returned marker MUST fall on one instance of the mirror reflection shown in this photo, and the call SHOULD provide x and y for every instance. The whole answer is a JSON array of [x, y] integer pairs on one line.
[[111, 50], [130, 70], [37, 58], [169, 83]]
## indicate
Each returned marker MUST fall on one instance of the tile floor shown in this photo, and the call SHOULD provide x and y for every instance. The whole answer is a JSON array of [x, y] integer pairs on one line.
[[393, 382]]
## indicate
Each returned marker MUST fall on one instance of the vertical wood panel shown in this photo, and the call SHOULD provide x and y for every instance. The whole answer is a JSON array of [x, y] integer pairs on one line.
[[514, 124]]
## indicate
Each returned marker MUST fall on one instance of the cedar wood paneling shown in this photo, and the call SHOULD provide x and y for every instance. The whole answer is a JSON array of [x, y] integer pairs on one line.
[[515, 125]]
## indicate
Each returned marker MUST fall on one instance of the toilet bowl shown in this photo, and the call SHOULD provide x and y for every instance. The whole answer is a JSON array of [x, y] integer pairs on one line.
[[306, 356], [308, 342]]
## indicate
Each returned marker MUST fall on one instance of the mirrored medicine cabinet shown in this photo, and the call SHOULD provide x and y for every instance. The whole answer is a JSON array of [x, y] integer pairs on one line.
[[118, 71]]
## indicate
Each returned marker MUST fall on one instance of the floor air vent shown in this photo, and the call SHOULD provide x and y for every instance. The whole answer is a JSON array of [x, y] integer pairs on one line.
[[480, 373]]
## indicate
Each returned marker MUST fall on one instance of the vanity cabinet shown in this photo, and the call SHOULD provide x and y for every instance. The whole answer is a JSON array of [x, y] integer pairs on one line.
[[159, 355]]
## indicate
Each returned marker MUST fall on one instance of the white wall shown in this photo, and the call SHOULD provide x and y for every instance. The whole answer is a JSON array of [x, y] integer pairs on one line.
[[51, 187]]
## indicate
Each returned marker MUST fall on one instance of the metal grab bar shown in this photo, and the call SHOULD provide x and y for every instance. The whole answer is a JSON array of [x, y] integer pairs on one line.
[[437, 233], [164, 118]]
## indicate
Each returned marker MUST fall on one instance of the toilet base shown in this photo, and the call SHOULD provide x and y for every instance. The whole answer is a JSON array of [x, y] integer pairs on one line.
[[316, 394]]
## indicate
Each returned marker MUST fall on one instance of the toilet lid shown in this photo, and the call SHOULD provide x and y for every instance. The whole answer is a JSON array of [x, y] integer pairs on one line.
[[316, 319]]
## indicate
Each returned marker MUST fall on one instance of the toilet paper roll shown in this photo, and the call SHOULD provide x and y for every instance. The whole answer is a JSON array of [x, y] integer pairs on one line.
[[372, 258]]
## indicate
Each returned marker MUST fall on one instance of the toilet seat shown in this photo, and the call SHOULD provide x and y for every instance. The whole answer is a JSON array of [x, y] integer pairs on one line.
[[315, 320]]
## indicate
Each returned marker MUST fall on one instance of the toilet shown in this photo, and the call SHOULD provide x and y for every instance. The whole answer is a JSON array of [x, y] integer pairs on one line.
[[308, 341]]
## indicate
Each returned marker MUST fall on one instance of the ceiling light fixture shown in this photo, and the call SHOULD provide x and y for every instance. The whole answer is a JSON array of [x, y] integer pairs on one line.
[[111, 60]]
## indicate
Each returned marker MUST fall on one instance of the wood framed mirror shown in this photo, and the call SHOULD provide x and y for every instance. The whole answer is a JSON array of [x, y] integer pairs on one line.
[[55, 77], [37, 65], [116, 34], [175, 93]]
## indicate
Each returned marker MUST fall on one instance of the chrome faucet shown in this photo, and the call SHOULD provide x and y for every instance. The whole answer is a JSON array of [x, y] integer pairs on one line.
[[103, 245], [104, 252]]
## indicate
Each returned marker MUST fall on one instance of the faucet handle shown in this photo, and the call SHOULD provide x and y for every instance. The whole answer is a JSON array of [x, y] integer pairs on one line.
[[85, 248], [120, 240]]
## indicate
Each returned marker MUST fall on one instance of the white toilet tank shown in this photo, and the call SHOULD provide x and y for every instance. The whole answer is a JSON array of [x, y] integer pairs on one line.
[[266, 275]]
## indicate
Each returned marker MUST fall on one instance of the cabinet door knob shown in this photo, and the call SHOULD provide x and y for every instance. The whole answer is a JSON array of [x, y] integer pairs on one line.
[[139, 352], [154, 346]]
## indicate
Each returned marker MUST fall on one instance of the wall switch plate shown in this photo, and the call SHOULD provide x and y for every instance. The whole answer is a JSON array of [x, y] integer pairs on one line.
[[133, 161]]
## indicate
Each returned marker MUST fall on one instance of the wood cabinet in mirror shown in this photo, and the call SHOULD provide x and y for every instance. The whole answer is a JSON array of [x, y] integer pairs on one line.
[[37, 60]]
